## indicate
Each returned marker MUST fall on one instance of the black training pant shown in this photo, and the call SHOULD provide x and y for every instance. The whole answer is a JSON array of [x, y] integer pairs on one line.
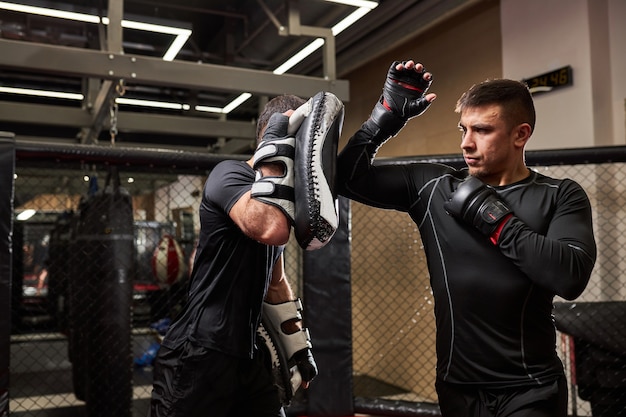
[[549, 400], [193, 381]]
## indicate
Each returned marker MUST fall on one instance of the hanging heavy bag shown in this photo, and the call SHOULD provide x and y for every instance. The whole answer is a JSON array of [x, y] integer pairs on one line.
[[60, 258], [105, 235], [77, 305]]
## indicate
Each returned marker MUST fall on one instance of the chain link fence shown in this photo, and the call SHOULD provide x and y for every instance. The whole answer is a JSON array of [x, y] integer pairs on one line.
[[71, 331], [101, 261]]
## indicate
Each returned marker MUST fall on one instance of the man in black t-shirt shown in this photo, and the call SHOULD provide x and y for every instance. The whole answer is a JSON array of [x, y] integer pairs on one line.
[[210, 362], [501, 241]]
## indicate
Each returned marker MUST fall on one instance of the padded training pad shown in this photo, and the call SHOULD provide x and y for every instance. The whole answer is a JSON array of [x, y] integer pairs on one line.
[[319, 122]]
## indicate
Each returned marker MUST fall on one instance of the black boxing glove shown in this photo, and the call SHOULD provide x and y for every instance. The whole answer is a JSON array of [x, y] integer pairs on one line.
[[404, 92], [402, 99], [479, 205], [306, 364]]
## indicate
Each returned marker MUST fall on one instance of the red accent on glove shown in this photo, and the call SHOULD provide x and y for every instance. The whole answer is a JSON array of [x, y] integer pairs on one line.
[[409, 86], [496, 235]]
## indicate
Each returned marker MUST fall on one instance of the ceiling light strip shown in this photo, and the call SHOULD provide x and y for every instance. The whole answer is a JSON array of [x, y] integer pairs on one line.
[[152, 103], [209, 109], [319, 42], [81, 17], [236, 102], [41, 93], [176, 46], [306, 51], [78, 96], [356, 3], [301, 55], [351, 19], [182, 35]]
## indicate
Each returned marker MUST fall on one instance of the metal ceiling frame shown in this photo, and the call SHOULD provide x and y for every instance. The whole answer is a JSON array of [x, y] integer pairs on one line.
[[295, 28], [111, 65], [108, 91]]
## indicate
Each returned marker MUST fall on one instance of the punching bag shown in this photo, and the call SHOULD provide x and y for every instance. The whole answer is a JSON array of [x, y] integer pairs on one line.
[[105, 238], [59, 267], [77, 304], [168, 261]]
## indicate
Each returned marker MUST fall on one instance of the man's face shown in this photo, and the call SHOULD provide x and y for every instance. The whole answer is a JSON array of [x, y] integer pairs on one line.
[[488, 143]]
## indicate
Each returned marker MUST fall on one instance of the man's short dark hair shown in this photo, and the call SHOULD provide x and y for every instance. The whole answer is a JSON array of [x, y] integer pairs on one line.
[[279, 104], [513, 96]]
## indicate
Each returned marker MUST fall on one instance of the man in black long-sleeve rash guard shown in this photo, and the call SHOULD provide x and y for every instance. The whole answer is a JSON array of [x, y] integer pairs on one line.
[[501, 241]]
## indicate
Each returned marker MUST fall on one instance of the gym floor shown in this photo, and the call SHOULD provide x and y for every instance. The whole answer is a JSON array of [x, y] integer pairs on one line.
[[53, 394]]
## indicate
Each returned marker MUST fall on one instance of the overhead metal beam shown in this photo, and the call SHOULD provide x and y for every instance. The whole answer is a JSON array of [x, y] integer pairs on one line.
[[114, 29], [100, 111], [155, 71], [44, 114], [240, 147], [297, 29], [109, 90], [127, 121], [37, 154], [236, 147], [179, 125]]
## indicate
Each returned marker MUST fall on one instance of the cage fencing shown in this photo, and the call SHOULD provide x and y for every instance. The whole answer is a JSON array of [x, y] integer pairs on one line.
[[82, 339]]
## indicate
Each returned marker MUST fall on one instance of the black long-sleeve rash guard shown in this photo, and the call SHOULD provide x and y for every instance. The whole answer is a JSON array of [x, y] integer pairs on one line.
[[493, 304]]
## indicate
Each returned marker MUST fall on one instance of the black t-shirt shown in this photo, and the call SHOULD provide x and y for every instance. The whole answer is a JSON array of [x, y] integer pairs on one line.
[[231, 272], [493, 304]]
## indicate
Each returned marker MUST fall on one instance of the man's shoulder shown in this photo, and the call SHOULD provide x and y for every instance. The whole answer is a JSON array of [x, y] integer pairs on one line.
[[226, 178], [231, 164], [564, 187], [231, 168], [540, 178]]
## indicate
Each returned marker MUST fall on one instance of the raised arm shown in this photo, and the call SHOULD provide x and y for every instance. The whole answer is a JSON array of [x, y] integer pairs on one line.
[[403, 97]]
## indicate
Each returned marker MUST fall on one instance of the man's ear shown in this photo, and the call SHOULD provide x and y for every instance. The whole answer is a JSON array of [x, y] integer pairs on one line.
[[522, 134]]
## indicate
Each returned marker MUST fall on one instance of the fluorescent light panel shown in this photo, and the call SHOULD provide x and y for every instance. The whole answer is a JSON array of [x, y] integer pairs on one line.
[[152, 103], [356, 3], [209, 109], [26, 214], [181, 34], [41, 93], [78, 96], [319, 42], [81, 17], [306, 51], [236, 102], [351, 19], [364, 7]]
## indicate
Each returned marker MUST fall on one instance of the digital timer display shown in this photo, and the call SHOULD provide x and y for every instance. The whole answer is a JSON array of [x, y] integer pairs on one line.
[[543, 83]]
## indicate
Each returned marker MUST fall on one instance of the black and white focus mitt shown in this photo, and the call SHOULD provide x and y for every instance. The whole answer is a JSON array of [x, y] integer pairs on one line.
[[317, 127], [290, 353]]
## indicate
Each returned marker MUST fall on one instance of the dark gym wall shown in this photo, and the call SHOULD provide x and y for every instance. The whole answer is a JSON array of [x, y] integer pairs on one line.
[[459, 52], [7, 168], [329, 317]]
